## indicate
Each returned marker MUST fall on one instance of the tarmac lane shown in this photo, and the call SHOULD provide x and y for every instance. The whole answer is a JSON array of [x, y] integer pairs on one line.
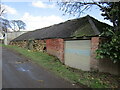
[[19, 72], [0, 67]]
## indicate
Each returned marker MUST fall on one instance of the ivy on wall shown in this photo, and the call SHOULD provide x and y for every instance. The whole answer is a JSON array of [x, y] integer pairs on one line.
[[110, 48]]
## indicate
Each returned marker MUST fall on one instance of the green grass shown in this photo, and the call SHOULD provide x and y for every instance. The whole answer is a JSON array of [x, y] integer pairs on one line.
[[93, 80]]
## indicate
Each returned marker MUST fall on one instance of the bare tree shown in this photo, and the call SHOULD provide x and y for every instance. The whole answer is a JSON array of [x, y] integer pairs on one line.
[[2, 10], [18, 25], [110, 10], [5, 24]]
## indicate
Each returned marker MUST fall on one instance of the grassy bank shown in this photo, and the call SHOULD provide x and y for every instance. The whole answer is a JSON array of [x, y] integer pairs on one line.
[[91, 79]]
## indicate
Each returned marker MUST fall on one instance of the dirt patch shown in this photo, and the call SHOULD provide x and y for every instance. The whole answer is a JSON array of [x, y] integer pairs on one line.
[[112, 81]]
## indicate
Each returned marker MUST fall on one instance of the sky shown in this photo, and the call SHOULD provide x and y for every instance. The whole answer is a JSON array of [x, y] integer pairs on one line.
[[39, 14]]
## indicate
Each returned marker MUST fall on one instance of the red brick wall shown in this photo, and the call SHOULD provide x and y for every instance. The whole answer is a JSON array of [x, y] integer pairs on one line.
[[56, 47], [94, 46]]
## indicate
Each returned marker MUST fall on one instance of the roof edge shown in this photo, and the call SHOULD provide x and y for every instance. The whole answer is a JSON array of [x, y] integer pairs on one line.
[[96, 31]]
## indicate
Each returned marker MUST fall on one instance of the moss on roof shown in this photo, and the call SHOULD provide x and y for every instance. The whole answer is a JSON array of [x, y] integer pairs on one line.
[[85, 26], [85, 30]]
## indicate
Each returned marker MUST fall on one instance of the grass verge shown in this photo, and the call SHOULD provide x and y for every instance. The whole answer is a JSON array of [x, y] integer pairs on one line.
[[90, 79]]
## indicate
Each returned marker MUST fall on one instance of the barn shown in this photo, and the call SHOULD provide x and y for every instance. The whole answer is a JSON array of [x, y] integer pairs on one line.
[[73, 42]]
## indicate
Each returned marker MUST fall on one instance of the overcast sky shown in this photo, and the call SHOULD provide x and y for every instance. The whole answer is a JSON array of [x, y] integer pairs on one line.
[[38, 13]]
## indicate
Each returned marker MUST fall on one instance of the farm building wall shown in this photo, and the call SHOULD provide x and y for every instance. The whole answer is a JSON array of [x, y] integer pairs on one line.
[[12, 35], [56, 47], [35, 45], [21, 44], [102, 65], [94, 46]]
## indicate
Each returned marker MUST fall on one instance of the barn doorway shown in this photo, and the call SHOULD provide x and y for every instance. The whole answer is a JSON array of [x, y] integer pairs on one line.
[[77, 54]]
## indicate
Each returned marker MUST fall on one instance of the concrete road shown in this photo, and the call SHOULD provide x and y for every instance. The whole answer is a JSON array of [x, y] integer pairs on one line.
[[19, 72]]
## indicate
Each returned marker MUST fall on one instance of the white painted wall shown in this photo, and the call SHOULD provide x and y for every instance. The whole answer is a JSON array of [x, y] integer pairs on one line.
[[12, 35]]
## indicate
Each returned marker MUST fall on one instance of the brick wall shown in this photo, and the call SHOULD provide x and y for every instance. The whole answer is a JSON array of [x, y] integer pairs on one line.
[[56, 47], [102, 65], [94, 46]]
